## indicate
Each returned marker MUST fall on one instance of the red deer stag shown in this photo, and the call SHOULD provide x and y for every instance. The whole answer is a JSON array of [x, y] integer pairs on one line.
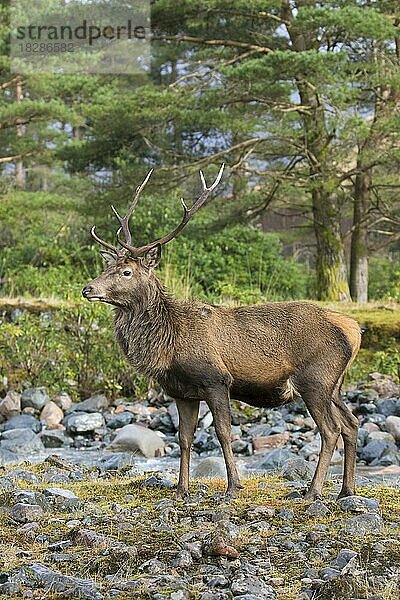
[[264, 355]]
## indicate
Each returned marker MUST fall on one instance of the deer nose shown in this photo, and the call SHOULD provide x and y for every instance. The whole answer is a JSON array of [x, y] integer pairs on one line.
[[86, 290]]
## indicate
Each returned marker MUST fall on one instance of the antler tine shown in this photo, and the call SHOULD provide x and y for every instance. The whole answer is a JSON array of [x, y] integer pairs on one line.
[[124, 221], [102, 242], [187, 215]]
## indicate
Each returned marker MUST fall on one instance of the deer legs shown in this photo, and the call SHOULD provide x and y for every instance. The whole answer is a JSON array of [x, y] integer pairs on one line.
[[188, 414], [221, 412]]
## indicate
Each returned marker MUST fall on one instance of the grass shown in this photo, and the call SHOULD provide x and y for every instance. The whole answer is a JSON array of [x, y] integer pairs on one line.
[[132, 515]]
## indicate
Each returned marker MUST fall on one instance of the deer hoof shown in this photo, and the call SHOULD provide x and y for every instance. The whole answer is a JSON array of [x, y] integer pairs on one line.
[[181, 495], [312, 495]]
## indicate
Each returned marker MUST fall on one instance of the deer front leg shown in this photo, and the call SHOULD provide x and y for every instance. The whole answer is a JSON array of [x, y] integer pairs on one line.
[[188, 414], [221, 412]]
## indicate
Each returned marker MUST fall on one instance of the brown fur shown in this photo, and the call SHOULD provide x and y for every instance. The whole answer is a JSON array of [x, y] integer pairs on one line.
[[264, 355]]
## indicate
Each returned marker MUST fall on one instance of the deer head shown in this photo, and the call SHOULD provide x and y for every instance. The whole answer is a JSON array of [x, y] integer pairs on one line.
[[129, 268]]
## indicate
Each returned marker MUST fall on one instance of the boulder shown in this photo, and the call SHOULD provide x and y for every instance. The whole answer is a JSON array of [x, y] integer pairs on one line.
[[362, 524], [10, 406], [359, 504], [273, 461], [55, 438], [393, 427], [93, 404], [138, 439], [268, 442], [26, 513], [381, 435], [120, 420], [296, 469], [34, 398], [8, 458], [22, 422], [52, 414], [376, 452], [21, 441], [212, 466], [83, 422]]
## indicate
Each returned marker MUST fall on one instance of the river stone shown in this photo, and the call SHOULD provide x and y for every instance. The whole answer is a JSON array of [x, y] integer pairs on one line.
[[115, 461], [8, 458], [63, 584], [94, 404], [34, 398], [120, 420], [317, 509], [273, 461], [23, 422], [362, 524], [21, 441], [173, 413], [359, 504], [55, 438], [138, 439], [60, 493], [343, 558], [212, 466], [296, 469], [51, 413], [375, 450], [244, 585], [10, 406], [26, 513], [381, 435], [393, 427], [83, 422], [389, 406]]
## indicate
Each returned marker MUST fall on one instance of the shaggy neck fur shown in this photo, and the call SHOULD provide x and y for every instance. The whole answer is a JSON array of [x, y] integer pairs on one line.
[[146, 329]]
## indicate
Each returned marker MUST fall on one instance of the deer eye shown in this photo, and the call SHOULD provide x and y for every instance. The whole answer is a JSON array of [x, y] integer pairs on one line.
[[126, 273]]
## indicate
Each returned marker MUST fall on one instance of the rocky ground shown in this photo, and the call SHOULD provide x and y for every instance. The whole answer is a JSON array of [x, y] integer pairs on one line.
[[98, 525]]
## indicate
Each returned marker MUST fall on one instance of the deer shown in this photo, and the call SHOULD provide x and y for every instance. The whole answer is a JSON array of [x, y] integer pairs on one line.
[[265, 355]]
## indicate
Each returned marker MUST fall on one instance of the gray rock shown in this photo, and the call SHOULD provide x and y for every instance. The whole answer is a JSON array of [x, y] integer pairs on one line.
[[362, 524], [329, 573], [34, 398], [138, 440], [183, 559], [63, 401], [31, 497], [24, 513], [8, 458], [22, 422], [343, 558], [296, 469], [60, 493], [83, 422], [6, 484], [211, 466], [245, 585], [376, 450], [274, 460], [93, 404], [21, 441], [115, 462], [311, 448], [318, 509], [55, 438], [120, 420], [381, 435], [10, 588], [64, 584], [359, 504], [173, 413], [23, 475], [389, 406]]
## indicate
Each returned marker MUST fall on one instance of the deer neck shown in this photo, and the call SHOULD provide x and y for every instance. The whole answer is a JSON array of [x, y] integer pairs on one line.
[[147, 329]]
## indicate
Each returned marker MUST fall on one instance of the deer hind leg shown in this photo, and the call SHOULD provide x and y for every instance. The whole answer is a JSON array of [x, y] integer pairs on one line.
[[188, 414], [221, 412], [320, 406], [349, 428]]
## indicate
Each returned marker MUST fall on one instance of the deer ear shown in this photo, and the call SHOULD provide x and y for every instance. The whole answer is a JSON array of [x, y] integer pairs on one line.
[[109, 258], [152, 257]]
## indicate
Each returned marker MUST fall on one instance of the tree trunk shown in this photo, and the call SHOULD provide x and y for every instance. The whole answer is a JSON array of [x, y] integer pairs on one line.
[[359, 247], [331, 269]]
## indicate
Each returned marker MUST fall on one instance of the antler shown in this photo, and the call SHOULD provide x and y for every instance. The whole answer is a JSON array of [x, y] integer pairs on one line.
[[123, 221], [187, 215]]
